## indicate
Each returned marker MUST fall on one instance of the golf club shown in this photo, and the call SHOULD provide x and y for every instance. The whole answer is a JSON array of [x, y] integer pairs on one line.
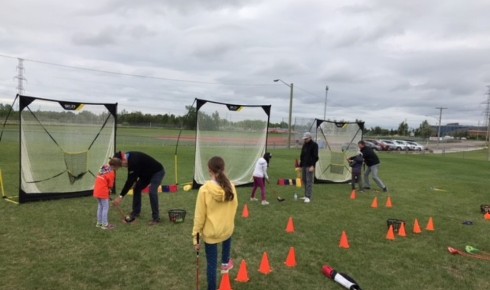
[[197, 263]]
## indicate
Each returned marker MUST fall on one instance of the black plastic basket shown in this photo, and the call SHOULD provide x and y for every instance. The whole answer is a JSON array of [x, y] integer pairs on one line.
[[176, 215], [484, 208], [396, 223]]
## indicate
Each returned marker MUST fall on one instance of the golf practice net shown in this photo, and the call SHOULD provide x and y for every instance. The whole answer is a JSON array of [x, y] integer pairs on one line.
[[62, 146], [237, 133]]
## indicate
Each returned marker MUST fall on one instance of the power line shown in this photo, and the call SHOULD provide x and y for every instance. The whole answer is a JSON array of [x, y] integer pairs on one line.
[[132, 75]]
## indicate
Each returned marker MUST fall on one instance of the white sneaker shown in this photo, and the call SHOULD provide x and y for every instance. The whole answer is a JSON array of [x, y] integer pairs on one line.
[[253, 199], [307, 200], [265, 202]]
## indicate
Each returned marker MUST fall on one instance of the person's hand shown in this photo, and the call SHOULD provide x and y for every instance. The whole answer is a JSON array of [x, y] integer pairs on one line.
[[117, 202], [267, 179], [311, 168], [197, 247]]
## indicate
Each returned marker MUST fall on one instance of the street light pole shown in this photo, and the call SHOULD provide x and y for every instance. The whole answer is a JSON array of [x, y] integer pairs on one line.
[[291, 87], [325, 107], [439, 129]]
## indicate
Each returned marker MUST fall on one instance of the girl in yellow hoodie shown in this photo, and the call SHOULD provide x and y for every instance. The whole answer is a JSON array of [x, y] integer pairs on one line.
[[214, 218]]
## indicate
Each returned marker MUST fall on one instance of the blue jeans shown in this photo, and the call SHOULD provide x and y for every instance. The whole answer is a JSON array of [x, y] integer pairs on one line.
[[103, 211], [212, 259], [308, 178], [154, 182], [374, 169]]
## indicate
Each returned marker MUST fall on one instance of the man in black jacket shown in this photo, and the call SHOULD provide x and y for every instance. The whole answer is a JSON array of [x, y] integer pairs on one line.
[[308, 159], [143, 170], [372, 162]]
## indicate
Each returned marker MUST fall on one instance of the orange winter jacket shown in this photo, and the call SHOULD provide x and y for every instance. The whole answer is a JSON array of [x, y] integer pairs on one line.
[[104, 184]]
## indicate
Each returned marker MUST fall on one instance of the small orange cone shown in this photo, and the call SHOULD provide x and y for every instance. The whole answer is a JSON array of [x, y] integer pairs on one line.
[[245, 213], [225, 283], [291, 259], [265, 267], [401, 230], [487, 216], [391, 234], [375, 202], [242, 273], [353, 194], [388, 202], [430, 225], [416, 227], [344, 242], [290, 226]]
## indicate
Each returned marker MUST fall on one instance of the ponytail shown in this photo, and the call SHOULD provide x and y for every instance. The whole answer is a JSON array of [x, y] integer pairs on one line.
[[217, 165]]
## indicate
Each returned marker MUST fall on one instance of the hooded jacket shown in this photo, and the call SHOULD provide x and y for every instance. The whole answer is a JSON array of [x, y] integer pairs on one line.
[[214, 217]]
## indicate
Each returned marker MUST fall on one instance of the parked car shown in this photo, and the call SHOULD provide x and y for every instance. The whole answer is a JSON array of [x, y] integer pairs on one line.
[[401, 145], [391, 145], [372, 145], [416, 146], [382, 146]]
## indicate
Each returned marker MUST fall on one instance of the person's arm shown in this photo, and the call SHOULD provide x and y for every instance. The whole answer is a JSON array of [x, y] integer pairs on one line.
[[199, 215], [264, 170]]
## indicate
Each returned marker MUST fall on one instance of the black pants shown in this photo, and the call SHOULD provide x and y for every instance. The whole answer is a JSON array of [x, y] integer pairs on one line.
[[154, 181]]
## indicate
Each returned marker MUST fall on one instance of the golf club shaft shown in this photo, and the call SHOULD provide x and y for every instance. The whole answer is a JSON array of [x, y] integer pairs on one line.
[[197, 263]]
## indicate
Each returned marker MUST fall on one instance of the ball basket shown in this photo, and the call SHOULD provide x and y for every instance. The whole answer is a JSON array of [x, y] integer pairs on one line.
[[176, 215], [396, 223]]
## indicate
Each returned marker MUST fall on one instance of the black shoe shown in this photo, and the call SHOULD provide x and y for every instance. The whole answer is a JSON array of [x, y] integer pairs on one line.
[[385, 189], [367, 187], [154, 222]]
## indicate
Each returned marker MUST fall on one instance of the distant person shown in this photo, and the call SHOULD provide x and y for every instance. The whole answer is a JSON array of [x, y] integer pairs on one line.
[[308, 159], [260, 176], [104, 183], [356, 163], [143, 170], [214, 217], [372, 163]]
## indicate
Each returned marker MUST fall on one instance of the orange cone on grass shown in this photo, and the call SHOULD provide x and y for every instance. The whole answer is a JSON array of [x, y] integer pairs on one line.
[[374, 204], [245, 213], [353, 194], [265, 267], [291, 259], [243, 273], [416, 227], [290, 226], [388, 202], [344, 241], [401, 230], [225, 282], [487, 216], [430, 225], [391, 234]]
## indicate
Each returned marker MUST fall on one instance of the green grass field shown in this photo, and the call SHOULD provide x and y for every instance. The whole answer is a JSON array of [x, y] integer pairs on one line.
[[55, 245]]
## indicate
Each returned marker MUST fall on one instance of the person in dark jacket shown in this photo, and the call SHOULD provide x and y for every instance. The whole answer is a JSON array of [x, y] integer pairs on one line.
[[143, 170], [308, 159], [372, 162], [356, 163]]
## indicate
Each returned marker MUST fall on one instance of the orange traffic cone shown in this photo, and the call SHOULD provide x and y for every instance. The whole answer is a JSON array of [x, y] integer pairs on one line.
[[245, 213], [344, 241], [388, 202], [225, 283], [401, 230], [391, 234], [291, 259], [374, 204], [242, 273], [430, 225], [353, 194], [487, 216], [265, 267], [290, 226], [416, 227]]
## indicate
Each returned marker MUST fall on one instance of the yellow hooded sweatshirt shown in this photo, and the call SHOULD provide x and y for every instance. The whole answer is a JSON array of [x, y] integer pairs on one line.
[[214, 217]]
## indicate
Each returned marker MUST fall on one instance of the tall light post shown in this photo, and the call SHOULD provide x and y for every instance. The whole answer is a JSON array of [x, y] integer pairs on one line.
[[439, 129], [291, 86], [325, 107]]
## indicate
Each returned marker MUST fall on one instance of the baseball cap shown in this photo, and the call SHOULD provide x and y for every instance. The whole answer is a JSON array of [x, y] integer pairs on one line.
[[307, 135]]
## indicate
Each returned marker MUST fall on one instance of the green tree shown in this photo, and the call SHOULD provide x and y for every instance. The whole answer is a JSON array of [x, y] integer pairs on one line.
[[403, 129], [424, 130]]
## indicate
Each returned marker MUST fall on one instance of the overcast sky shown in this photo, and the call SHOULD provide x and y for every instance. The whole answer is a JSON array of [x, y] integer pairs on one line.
[[384, 62]]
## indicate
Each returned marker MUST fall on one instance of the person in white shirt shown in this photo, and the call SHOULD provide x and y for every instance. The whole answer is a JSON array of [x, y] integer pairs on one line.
[[260, 176]]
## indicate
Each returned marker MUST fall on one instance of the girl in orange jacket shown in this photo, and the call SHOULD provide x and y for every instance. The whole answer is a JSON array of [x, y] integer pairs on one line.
[[104, 183]]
